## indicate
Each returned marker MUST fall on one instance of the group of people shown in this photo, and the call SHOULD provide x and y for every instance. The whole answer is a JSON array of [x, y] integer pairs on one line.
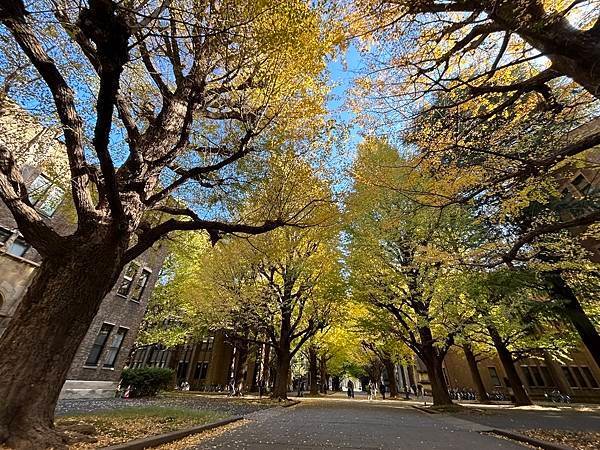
[[371, 390]]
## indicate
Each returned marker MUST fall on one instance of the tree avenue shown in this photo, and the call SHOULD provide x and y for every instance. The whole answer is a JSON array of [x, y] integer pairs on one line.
[[468, 219], [194, 90]]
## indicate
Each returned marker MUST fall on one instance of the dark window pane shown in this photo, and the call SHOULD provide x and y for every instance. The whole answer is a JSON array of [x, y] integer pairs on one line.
[[569, 376], [98, 346], [537, 376], [140, 286], [127, 281], [580, 378], [115, 347], [581, 183], [590, 377], [4, 235], [494, 376], [547, 376], [528, 376]]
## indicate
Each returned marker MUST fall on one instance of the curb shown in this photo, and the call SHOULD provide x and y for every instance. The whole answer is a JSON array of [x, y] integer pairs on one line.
[[291, 403], [153, 441], [529, 440], [425, 410]]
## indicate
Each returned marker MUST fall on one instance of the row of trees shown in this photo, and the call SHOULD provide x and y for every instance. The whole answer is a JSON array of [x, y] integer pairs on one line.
[[174, 114]]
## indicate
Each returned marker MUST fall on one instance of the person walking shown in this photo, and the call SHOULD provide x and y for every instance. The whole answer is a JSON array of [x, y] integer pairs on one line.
[[372, 390], [382, 389], [350, 388]]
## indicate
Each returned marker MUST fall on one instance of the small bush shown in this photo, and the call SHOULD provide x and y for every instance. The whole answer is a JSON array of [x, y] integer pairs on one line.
[[147, 381]]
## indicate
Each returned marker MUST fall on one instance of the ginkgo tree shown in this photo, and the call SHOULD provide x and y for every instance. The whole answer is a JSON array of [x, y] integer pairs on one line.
[[282, 288], [154, 100], [400, 255]]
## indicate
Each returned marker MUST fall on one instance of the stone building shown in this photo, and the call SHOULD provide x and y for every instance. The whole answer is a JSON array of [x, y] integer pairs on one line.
[[96, 368], [209, 363]]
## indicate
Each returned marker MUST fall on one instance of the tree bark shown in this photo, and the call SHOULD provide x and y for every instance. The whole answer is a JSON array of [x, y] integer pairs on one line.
[[556, 374], [573, 53], [521, 396], [312, 370], [475, 375], [439, 388], [37, 348], [391, 372], [323, 374], [280, 388], [241, 366], [590, 337]]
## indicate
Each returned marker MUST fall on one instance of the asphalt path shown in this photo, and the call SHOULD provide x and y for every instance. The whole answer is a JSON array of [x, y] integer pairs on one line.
[[358, 424]]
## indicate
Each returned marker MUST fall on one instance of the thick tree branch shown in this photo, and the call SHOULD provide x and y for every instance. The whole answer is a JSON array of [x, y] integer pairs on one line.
[[12, 15]]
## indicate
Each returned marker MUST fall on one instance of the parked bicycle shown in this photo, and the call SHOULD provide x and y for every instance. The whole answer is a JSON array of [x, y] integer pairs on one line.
[[556, 396]]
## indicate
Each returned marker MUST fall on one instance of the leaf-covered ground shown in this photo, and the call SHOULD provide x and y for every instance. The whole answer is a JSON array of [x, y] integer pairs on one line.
[[578, 440], [126, 424]]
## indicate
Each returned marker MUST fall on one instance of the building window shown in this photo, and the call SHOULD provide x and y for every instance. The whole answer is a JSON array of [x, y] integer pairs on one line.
[[579, 376], [45, 195], [18, 247], [494, 376], [534, 376], [140, 286], [99, 344], [590, 377], [581, 184], [4, 235], [569, 376], [547, 376], [128, 276], [115, 347], [201, 370]]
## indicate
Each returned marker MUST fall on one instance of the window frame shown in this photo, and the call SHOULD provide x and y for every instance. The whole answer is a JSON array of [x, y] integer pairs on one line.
[[102, 345], [42, 199], [142, 287], [493, 373], [117, 349], [128, 278]]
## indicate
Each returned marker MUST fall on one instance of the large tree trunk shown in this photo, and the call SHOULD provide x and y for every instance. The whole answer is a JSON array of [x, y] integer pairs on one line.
[[391, 372], [323, 374], [439, 388], [590, 337], [312, 370], [41, 340], [521, 396], [556, 374], [475, 375], [434, 363], [241, 366], [284, 357]]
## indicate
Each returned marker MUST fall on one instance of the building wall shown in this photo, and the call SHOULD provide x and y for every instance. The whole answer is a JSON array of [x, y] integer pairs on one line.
[[38, 151], [536, 374]]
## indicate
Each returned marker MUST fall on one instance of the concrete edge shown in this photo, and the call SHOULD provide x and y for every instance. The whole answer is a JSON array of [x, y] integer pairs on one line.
[[159, 439], [291, 403], [529, 440], [425, 410]]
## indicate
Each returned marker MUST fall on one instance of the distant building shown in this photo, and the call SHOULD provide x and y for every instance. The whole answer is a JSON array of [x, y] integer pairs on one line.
[[209, 363], [96, 368]]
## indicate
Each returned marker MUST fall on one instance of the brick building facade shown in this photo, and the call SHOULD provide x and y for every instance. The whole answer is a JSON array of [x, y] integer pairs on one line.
[[97, 366], [207, 364]]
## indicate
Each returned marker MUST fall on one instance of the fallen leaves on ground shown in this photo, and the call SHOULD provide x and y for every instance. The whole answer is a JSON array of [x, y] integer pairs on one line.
[[195, 439], [578, 440], [118, 426]]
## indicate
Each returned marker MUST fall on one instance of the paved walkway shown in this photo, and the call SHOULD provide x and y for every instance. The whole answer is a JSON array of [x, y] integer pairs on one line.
[[336, 423]]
